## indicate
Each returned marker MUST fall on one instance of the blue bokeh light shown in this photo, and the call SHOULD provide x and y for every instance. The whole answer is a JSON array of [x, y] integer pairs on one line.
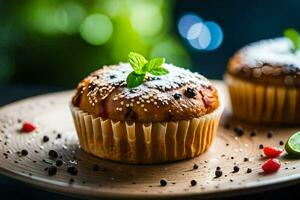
[[186, 22], [216, 35], [200, 35]]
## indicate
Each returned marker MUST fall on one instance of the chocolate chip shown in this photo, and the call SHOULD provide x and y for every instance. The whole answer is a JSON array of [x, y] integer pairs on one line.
[[24, 152], [236, 169], [177, 96], [239, 130], [52, 170], [249, 170], [59, 163], [195, 166], [45, 138], [72, 170], [163, 182], [193, 182], [246, 159], [53, 154], [190, 92], [218, 173]]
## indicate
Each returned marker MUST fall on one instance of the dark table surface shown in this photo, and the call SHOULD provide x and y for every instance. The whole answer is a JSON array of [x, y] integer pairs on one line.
[[11, 189]]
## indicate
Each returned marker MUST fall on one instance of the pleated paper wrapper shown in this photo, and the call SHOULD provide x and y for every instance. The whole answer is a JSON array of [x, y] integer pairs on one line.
[[264, 103], [145, 143]]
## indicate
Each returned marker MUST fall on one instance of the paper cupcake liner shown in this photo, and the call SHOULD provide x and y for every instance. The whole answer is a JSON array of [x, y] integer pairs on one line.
[[264, 103], [145, 142]]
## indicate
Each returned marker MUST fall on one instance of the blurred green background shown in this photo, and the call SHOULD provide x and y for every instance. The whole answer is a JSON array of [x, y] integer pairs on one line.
[[59, 42]]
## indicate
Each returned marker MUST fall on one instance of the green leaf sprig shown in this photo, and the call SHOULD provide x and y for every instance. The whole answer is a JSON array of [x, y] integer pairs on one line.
[[294, 37], [141, 67]]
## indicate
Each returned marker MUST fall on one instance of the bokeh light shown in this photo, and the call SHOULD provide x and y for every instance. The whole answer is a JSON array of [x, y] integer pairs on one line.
[[39, 15], [186, 22], [200, 35], [68, 17], [216, 33], [96, 29], [146, 19]]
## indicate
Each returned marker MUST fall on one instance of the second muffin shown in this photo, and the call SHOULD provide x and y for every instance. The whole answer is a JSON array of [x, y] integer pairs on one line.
[[264, 82]]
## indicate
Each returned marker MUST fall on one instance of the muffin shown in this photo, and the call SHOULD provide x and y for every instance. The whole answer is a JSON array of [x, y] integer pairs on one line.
[[264, 82], [166, 118]]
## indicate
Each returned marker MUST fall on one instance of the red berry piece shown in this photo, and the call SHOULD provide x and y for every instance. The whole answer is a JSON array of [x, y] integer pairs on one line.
[[28, 127], [271, 166], [272, 152]]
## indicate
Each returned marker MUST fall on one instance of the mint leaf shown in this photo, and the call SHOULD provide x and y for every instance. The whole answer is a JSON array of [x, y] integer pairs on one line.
[[154, 63], [159, 71], [137, 62], [293, 35], [134, 79], [141, 67]]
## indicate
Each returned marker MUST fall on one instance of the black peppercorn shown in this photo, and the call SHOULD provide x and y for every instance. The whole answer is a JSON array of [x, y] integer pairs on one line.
[[261, 146], [253, 133], [246, 159], [52, 170], [163, 182], [24, 152], [281, 143], [53, 154], [193, 182], [218, 173], [72, 170], [59, 163], [249, 170], [195, 166], [45, 138], [270, 134], [236, 169], [239, 130]]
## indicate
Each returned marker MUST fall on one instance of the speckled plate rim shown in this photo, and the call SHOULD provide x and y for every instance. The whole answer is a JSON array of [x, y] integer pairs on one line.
[[86, 192], [89, 193]]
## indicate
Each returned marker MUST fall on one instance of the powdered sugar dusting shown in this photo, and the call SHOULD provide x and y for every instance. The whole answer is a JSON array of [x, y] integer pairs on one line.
[[276, 52], [153, 90]]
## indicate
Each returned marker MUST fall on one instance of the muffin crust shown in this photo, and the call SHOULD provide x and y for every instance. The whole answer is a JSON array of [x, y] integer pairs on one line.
[[179, 95], [268, 62]]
